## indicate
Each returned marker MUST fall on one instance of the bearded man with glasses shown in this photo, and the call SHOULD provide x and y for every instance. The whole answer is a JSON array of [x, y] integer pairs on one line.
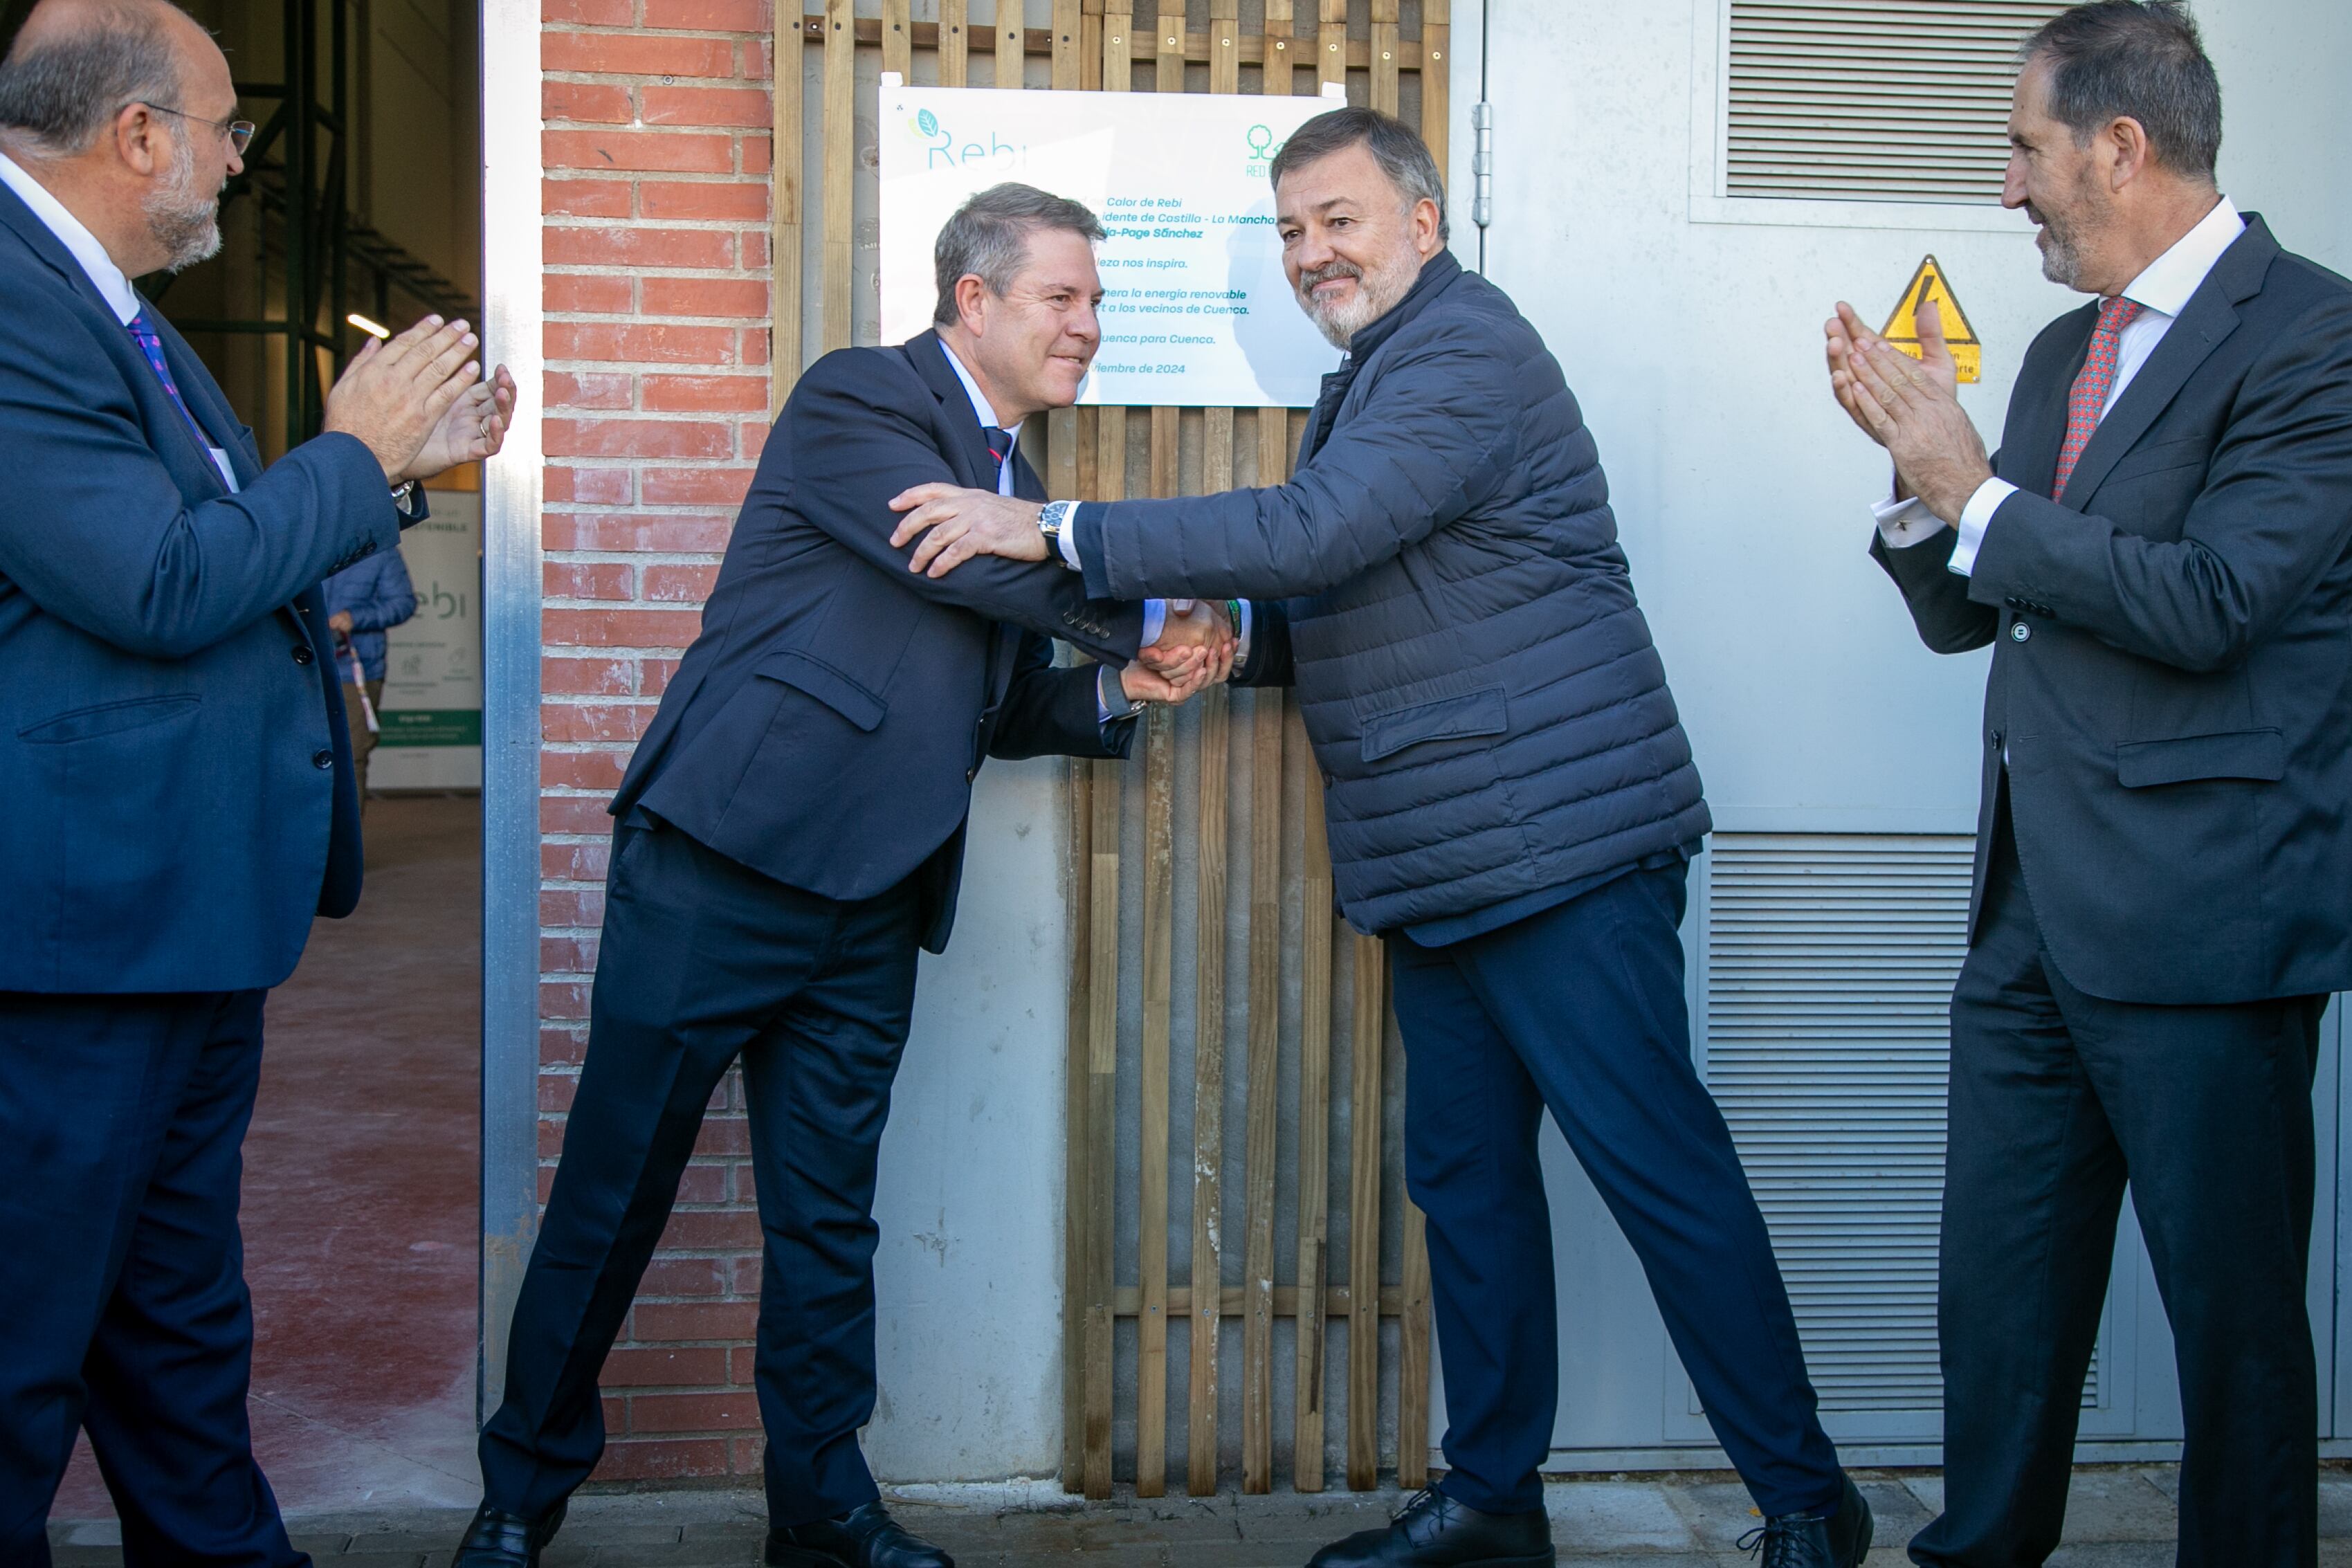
[[174, 768]]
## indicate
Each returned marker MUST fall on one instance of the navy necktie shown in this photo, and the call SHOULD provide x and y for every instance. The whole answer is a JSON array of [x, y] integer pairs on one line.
[[152, 347], [999, 447]]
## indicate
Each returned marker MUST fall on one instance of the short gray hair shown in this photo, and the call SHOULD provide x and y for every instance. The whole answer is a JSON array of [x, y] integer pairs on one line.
[[61, 86], [1395, 146], [2134, 60], [988, 238]]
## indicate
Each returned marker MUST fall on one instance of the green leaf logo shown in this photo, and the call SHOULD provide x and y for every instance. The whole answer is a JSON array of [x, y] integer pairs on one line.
[[929, 122]]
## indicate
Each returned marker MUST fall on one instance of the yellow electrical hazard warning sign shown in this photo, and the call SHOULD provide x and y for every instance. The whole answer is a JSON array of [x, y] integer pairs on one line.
[[1902, 328]]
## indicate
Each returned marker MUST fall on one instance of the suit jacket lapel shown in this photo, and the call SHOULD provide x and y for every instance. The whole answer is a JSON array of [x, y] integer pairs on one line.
[[2208, 318], [970, 451], [20, 218]]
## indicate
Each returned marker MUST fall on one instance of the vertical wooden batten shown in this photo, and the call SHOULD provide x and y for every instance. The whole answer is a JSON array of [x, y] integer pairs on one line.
[[955, 43], [839, 150], [785, 66], [1315, 921]]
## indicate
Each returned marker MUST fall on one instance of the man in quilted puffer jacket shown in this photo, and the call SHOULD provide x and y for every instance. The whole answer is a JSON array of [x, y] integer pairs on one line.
[[1512, 806]]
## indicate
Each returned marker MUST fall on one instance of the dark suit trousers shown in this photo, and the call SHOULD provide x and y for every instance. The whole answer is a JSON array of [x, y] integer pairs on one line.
[[2058, 1098], [704, 960], [1581, 1009], [122, 1299]]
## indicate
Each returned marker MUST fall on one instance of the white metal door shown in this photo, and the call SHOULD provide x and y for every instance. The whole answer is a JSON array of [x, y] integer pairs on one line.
[[1839, 754]]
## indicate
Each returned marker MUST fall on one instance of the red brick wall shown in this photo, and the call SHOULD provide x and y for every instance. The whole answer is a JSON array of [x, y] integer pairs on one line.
[[656, 148]]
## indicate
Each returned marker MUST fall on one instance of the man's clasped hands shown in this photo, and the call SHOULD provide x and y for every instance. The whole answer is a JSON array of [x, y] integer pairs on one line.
[[1197, 647]]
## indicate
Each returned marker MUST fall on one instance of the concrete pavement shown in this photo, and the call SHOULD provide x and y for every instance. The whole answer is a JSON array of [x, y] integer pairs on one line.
[[2118, 1517]]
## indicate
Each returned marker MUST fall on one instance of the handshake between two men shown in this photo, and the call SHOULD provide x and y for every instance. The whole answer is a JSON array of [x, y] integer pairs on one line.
[[1511, 801]]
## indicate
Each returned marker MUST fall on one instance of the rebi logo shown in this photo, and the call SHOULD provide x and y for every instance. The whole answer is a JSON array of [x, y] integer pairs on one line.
[[945, 150], [1263, 151]]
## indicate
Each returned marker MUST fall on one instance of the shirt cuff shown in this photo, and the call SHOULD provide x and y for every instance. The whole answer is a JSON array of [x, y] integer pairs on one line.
[[1068, 540], [1155, 621], [1975, 518], [1904, 523], [1111, 703], [1241, 635]]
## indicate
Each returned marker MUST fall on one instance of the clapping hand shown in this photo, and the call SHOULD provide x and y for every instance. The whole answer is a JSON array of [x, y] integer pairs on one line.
[[1911, 407], [392, 396], [472, 431]]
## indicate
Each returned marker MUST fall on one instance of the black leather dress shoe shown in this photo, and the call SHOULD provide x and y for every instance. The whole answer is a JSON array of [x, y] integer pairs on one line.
[[498, 1539], [1433, 1531], [1838, 1539], [864, 1536]]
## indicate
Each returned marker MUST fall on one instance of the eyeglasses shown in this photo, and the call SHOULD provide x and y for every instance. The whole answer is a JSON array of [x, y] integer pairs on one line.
[[238, 131]]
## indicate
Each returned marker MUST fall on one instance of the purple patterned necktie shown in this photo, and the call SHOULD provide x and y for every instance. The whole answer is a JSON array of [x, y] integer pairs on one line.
[[152, 347]]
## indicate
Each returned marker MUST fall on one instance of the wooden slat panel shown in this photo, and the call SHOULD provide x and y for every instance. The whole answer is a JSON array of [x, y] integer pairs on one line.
[[1152, 1247], [1107, 471], [1168, 44], [1224, 48], [1369, 1020], [1078, 1175], [1412, 1356], [1331, 45], [1006, 43], [1277, 52], [1209, 1090], [1090, 47], [1069, 472], [785, 220], [1163, 451], [1101, 1124], [1196, 50], [837, 150], [1119, 46], [1127, 1301], [1158, 973], [1314, 1126], [1261, 1133], [898, 40], [1436, 69], [1068, 28], [1386, 46], [954, 42], [1209, 1029]]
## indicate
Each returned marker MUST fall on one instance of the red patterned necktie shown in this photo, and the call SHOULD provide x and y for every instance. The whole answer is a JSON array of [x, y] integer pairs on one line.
[[2088, 401]]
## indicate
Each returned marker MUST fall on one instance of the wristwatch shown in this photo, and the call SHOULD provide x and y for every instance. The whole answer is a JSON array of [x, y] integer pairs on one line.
[[1051, 521]]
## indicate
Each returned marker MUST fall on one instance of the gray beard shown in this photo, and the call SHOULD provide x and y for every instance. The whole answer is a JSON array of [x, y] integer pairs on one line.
[[184, 224], [2062, 259], [1376, 296]]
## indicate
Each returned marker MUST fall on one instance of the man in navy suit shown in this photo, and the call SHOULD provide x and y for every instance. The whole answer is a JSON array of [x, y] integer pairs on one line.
[[2161, 556], [174, 763], [791, 834]]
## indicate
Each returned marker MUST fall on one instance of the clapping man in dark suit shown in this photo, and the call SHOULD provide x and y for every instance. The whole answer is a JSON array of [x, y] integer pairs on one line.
[[176, 798], [791, 834], [2158, 556]]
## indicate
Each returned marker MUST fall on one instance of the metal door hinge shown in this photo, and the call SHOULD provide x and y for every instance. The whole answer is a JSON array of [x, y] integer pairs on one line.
[[1482, 164]]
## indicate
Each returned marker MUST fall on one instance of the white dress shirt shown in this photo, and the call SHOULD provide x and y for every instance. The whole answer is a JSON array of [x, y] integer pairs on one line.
[[2162, 292], [104, 274]]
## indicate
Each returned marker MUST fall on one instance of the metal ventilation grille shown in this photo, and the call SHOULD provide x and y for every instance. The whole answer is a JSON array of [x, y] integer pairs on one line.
[[1830, 962], [1874, 100]]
